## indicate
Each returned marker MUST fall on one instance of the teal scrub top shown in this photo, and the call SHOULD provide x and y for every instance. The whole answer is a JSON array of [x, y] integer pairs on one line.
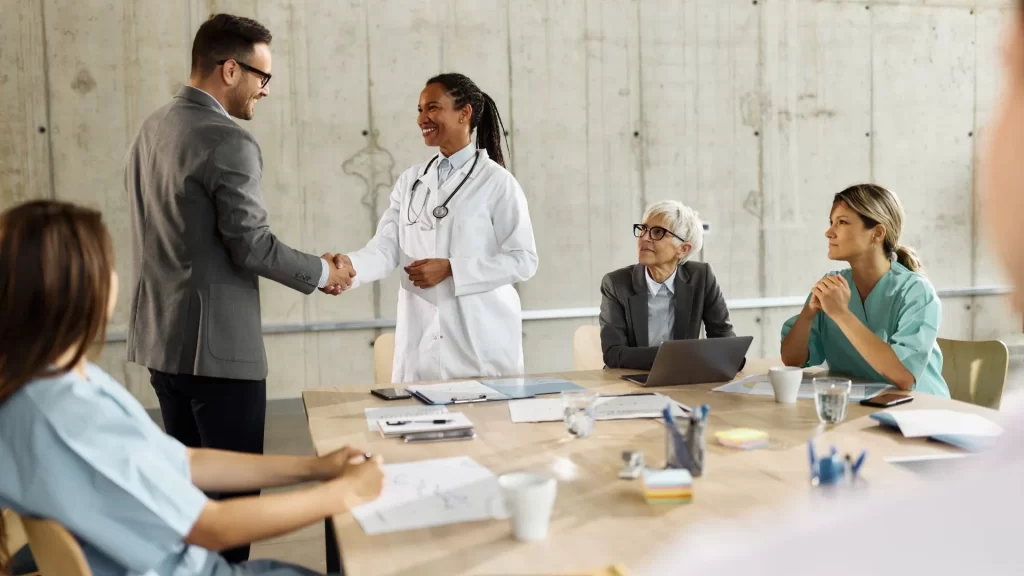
[[85, 453], [904, 311]]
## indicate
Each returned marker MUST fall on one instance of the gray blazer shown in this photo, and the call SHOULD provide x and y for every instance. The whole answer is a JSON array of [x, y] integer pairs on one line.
[[200, 240], [624, 312]]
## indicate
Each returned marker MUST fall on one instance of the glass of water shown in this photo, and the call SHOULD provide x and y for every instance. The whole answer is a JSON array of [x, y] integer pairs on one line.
[[831, 397], [580, 411]]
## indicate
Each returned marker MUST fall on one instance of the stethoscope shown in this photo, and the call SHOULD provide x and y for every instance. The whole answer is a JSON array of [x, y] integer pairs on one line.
[[441, 211]]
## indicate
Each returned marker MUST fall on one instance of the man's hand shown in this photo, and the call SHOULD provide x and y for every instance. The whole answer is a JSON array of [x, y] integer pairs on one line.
[[340, 274], [428, 273]]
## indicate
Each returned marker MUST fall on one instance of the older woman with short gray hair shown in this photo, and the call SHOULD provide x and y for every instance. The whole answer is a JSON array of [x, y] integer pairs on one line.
[[663, 297]]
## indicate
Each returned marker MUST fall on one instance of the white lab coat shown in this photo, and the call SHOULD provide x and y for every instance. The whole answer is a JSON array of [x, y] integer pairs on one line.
[[469, 325]]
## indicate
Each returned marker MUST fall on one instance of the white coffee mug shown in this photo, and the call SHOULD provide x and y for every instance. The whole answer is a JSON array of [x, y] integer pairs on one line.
[[529, 500], [786, 383]]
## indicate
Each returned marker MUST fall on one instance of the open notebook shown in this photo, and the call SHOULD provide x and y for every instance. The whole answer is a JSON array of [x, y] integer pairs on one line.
[[970, 432]]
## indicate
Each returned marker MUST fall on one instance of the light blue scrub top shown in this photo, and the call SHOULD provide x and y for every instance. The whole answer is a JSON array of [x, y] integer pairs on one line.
[[904, 312], [86, 454]]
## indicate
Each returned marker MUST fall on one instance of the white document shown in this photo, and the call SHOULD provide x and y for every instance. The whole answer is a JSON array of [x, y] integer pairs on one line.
[[608, 408], [760, 386], [391, 427], [924, 423], [395, 412], [432, 493], [454, 392]]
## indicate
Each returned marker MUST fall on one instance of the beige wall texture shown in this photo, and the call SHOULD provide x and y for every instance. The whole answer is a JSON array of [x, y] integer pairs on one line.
[[754, 113]]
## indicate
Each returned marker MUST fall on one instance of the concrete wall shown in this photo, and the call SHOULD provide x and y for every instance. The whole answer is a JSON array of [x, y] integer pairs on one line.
[[755, 113]]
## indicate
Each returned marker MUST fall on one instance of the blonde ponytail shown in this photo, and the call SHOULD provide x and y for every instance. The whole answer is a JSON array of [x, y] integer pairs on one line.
[[908, 258]]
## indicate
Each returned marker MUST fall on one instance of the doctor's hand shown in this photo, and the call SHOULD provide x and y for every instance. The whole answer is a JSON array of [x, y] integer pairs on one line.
[[833, 294], [340, 274], [428, 273]]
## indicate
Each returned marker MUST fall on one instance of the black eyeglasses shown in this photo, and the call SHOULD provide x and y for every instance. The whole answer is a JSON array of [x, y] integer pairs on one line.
[[264, 77], [654, 233]]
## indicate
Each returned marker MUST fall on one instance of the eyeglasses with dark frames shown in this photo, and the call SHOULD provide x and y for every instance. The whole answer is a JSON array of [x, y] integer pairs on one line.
[[264, 77], [654, 232]]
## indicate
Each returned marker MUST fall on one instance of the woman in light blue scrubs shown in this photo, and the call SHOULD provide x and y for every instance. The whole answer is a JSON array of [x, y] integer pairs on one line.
[[77, 448], [879, 318]]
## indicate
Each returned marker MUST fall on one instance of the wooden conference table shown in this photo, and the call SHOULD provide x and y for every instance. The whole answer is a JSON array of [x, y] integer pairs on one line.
[[600, 520]]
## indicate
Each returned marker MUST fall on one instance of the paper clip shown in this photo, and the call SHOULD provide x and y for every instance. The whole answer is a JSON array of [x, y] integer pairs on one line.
[[481, 398]]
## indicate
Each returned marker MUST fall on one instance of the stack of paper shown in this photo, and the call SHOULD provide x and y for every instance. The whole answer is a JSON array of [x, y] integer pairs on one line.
[[392, 427], [374, 415], [671, 486], [743, 438]]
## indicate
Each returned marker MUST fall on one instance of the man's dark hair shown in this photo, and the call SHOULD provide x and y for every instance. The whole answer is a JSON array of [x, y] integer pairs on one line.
[[225, 36]]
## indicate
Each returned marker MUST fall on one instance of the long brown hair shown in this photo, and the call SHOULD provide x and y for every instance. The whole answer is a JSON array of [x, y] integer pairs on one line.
[[876, 205], [56, 261]]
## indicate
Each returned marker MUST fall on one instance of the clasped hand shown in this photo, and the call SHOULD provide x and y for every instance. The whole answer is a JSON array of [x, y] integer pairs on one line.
[[340, 274], [832, 295]]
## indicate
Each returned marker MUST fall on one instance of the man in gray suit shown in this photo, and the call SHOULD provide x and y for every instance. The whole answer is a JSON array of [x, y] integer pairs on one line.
[[201, 241]]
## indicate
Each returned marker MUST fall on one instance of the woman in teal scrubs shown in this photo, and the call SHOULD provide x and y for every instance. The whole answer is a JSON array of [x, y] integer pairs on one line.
[[878, 319]]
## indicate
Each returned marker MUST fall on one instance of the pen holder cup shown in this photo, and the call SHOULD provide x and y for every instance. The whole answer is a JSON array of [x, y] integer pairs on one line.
[[690, 438]]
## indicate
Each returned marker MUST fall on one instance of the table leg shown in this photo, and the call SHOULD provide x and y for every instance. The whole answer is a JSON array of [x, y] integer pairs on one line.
[[331, 551]]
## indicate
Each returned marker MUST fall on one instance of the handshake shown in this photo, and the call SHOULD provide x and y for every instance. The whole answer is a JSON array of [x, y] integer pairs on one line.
[[340, 274]]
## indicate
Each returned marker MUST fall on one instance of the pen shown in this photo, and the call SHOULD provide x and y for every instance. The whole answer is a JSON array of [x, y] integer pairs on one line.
[[860, 460], [810, 454], [403, 422]]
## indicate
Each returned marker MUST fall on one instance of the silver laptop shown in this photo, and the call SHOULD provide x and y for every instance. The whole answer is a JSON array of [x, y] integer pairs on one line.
[[695, 361]]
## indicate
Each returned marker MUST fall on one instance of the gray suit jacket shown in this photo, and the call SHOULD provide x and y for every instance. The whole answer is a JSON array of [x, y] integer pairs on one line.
[[624, 312], [200, 240]]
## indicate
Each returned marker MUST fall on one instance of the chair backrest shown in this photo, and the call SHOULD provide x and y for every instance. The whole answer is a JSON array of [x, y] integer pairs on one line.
[[975, 371], [55, 550], [383, 357], [586, 348]]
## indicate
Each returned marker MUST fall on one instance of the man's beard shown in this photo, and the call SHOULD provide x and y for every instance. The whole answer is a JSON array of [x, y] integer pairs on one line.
[[240, 107]]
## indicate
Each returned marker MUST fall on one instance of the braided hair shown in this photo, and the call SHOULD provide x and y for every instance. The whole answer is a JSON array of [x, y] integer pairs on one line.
[[484, 118]]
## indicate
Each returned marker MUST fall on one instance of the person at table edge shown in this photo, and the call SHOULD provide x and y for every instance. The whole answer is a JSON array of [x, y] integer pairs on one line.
[[886, 331], [664, 296]]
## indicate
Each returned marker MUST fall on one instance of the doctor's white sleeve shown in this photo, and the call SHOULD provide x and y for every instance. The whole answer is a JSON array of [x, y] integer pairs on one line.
[[516, 260], [380, 255]]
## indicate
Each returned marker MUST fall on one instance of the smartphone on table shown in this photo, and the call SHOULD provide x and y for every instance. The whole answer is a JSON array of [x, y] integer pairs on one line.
[[886, 399], [391, 393]]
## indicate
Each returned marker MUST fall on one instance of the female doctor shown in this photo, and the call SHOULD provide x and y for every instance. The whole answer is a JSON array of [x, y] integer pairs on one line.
[[459, 228]]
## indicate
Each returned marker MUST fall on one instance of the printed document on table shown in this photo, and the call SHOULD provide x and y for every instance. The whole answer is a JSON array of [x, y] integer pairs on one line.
[[449, 392], [760, 386], [373, 415], [608, 408], [432, 493]]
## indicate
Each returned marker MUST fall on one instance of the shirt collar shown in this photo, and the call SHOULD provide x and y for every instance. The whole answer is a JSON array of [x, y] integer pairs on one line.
[[458, 159], [653, 287], [219, 105]]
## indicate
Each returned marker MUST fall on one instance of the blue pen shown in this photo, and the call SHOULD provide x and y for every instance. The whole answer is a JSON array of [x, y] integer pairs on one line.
[[860, 460], [810, 454], [679, 446]]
